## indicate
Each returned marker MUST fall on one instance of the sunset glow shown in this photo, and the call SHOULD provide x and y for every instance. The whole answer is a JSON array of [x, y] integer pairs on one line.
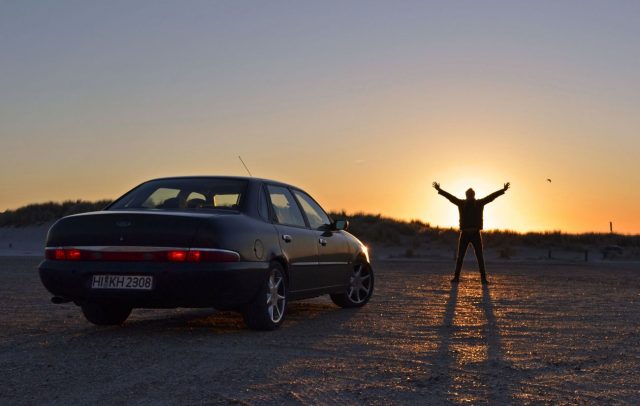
[[362, 104]]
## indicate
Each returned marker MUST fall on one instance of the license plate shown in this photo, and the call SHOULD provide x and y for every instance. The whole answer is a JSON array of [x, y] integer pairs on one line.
[[135, 282]]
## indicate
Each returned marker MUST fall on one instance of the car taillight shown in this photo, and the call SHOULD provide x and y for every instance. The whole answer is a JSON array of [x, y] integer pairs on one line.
[[194, 256], [63, 254], [58, 254], [134, 254], [203, 255], [177, 256], [73, 255]]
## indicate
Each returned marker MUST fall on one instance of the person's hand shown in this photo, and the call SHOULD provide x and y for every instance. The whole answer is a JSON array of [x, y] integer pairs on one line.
[[506, 186], [436, 186]]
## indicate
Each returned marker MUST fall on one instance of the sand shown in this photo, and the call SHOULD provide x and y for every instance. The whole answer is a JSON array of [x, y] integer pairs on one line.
[[23, 241], [543, 333]]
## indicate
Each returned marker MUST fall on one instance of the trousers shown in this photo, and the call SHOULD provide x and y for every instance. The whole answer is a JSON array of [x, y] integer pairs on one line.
[[473, 237]]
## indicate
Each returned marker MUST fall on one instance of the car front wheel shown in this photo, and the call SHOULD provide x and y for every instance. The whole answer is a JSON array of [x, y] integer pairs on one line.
[[267, 310], [103, 314], [360, 287]]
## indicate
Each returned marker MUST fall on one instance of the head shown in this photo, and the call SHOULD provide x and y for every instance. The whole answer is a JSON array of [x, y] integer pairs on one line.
[[471, 194]]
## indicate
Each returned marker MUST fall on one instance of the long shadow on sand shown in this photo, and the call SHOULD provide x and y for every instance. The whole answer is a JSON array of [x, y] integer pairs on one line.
[[464, 373], [494, 347], [499, 387], [443, 355]]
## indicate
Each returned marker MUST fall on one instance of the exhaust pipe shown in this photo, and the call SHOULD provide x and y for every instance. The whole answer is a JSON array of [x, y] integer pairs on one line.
[[60, 300]]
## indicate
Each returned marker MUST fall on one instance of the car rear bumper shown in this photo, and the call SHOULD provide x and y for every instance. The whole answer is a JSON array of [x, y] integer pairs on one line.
[[219, 285]]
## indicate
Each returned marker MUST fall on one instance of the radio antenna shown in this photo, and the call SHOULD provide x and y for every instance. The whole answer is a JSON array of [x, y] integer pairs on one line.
[[245, 166]]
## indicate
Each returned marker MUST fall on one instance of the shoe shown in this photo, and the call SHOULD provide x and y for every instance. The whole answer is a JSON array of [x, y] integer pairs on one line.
[[455, 280]]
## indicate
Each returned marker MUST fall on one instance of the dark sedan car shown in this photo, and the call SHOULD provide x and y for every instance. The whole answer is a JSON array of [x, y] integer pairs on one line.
[[234, 243]]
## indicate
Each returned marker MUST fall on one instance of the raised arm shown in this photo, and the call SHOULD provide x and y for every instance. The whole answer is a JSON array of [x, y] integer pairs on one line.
[[446, 194], [492, 196]]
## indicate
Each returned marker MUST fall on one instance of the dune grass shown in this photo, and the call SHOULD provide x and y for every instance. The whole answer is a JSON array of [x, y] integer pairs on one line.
[[371, 228], [40, 213]]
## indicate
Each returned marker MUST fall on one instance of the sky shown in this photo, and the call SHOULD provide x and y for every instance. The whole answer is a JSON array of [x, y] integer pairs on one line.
[[361, 103]]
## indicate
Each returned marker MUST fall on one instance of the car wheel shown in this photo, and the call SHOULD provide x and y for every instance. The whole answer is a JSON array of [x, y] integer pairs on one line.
[[267, 310], [360, 287], [103, 314]]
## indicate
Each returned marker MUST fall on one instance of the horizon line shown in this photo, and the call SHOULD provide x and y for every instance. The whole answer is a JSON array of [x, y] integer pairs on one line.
[[381, 215]]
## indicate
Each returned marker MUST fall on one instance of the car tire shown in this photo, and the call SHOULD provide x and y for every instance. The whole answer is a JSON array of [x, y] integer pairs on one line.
[[268, 309], [360, 287], [103, 314]]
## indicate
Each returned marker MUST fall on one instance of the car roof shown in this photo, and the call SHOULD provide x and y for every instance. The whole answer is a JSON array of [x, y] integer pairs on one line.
[[246, 178]]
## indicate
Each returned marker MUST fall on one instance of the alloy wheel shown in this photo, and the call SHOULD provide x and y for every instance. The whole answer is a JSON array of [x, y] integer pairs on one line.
[[360, 284], [275, 296]]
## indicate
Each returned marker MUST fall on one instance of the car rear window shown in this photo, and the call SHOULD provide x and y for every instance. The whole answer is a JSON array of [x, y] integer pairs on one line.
[[184, 194]]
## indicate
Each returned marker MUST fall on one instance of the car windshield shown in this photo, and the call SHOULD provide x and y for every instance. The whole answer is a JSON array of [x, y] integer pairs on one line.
[[184, 194]]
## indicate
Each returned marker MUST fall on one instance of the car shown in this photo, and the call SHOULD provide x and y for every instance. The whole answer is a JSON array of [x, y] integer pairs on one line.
[[231, 243]]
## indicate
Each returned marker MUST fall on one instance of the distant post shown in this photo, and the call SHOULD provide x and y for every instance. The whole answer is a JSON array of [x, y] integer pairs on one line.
[[611, 227]]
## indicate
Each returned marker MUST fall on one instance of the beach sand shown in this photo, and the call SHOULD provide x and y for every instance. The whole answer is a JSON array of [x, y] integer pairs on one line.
[[23, 241], [543, 333]]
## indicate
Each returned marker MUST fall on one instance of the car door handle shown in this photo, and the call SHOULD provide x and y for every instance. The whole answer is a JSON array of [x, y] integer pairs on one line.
[[322, 242], [287, 238]]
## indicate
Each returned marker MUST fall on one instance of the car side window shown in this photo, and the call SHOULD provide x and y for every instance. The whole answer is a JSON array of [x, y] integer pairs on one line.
[[316, 216], [285, 207], [226, 200]]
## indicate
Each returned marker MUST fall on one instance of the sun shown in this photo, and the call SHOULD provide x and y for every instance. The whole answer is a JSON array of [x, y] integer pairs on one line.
[[481, 186]]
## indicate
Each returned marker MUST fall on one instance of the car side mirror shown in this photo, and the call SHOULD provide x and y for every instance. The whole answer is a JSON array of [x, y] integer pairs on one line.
[[341, 225]]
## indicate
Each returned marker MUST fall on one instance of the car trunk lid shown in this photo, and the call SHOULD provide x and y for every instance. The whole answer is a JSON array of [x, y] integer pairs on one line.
[[127, 228]]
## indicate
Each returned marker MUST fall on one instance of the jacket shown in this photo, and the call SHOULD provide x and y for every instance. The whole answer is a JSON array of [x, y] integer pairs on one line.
[[471, 209]]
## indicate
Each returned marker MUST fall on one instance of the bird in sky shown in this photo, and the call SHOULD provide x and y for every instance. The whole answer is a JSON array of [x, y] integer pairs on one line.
[[548, 180]]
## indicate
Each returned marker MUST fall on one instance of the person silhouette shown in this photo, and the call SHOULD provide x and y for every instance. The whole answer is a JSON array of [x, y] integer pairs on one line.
[[470, 211]]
